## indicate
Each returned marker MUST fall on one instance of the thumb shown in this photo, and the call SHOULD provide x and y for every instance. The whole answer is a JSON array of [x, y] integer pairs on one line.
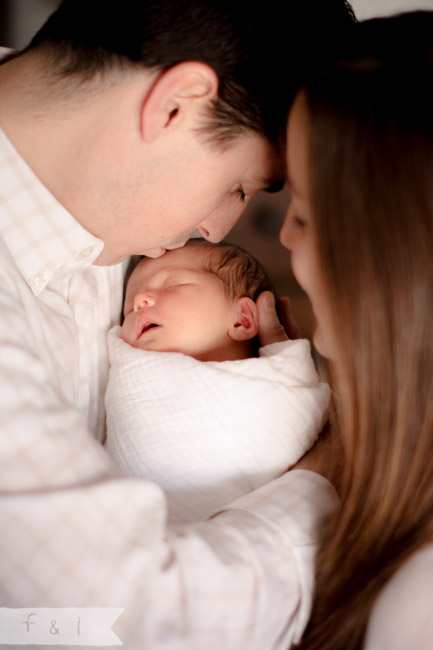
[[270, 328]]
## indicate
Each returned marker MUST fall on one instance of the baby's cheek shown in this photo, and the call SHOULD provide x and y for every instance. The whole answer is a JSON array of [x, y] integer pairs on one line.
[[125, 331]]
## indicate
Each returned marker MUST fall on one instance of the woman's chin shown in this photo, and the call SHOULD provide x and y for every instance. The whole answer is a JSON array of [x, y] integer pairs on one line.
[[320, 343]]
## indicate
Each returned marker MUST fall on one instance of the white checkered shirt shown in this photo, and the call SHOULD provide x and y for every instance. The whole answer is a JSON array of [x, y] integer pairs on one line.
[[74, 533]]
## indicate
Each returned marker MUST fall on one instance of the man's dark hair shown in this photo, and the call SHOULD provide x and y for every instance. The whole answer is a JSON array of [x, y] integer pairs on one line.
[[259, 52]]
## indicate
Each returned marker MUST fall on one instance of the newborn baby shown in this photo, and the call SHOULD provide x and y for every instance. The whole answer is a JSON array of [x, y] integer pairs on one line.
[[192, 403]]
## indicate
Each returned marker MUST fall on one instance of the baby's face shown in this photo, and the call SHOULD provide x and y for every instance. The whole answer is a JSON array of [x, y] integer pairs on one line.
[[173, 304]]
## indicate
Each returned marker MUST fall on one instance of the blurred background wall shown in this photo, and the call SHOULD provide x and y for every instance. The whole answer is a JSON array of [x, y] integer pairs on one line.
[[259, 226], [19, 20]]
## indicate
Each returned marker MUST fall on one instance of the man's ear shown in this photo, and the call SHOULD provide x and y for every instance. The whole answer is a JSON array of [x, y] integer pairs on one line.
[[185, 86], [246, 322]]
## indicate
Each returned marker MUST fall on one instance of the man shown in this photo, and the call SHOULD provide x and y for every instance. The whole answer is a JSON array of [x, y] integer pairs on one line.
[[126, 127]]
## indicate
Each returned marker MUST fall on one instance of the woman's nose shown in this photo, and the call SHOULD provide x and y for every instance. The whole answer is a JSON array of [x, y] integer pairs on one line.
[[143, 299], [286, 232]]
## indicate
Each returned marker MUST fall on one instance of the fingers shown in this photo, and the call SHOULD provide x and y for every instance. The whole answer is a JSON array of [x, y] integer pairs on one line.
[[270, 328], [286, 318]]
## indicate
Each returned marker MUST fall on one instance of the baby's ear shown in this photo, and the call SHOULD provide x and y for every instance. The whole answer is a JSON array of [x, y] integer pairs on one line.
[[246, 322]]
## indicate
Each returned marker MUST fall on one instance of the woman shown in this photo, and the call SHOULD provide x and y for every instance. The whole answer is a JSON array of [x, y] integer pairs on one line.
[[360, 228]]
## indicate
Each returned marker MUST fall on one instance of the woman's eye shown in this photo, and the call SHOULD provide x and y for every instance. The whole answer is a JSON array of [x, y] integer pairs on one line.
[[298, 222]]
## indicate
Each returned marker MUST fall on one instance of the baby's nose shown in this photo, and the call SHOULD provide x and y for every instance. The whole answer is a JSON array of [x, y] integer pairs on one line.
[[143, 299]]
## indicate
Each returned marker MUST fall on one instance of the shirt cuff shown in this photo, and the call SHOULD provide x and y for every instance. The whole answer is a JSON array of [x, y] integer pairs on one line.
[[296, 503]]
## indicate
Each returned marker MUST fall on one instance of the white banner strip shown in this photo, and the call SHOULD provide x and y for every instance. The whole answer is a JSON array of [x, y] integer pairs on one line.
[[89, 626]]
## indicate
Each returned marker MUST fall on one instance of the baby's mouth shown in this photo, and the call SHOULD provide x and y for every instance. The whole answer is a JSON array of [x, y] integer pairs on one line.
[[144, 324]]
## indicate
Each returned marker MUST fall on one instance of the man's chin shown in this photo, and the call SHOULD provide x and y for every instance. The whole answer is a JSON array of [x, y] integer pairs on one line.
[[154, 253]]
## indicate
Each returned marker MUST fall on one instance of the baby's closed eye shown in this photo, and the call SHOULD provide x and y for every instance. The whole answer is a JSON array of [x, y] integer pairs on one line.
[[171, 284]]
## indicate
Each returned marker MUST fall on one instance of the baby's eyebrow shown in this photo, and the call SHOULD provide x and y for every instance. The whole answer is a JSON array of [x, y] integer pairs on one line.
[[173, 268], [162, 274]]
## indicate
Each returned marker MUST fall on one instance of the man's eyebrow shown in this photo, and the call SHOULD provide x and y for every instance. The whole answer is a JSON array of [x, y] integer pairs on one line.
[[271, 185]]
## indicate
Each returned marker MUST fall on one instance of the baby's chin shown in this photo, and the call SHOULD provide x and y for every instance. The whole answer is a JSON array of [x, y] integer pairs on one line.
[[147, 344], [124, 334], [151, 345]]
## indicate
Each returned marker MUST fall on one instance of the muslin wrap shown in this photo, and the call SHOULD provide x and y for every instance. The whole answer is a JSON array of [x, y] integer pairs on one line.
[[209, 432]]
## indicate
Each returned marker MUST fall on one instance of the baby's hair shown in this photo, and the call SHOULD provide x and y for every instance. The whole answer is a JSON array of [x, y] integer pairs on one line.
[[241, 274]]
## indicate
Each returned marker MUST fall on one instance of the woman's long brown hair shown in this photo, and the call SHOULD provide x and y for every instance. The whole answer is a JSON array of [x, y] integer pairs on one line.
[[371, 181]]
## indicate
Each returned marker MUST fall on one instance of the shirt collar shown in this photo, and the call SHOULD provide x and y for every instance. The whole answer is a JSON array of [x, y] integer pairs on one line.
[[41, 235]]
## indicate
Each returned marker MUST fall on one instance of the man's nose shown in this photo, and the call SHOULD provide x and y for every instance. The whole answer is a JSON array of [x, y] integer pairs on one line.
[[216, 227], [144, 299]]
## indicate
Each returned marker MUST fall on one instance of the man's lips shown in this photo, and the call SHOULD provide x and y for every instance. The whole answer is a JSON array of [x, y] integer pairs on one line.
[[144, 324]]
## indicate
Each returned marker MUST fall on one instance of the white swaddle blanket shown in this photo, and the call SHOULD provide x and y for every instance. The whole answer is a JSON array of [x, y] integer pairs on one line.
[[209, 432]]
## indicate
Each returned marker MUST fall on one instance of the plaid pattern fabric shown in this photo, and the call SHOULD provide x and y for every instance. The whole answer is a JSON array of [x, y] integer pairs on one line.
[[74, 532]]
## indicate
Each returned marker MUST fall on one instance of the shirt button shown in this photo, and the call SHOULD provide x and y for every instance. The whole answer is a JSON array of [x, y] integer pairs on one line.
[[86, 252], [39, 280]]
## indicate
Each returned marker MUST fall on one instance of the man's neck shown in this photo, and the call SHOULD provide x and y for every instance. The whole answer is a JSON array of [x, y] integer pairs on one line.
[[38, 122], [71, 133]]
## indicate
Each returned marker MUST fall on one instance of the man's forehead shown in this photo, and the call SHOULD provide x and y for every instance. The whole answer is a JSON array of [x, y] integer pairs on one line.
[[266, 162]]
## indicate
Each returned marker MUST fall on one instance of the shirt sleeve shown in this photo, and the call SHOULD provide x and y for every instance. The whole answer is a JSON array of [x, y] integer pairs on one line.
[[240, 580], [75, 533]]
